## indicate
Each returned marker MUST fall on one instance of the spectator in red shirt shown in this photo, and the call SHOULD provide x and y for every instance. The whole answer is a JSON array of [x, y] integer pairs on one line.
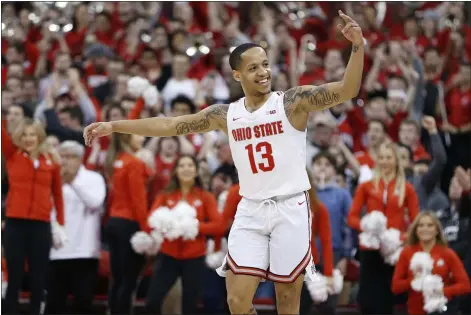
[[428, 36], [104, 32], [458, 102], [75, 38]]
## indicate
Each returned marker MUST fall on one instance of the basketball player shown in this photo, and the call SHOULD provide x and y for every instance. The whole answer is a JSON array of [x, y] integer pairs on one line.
[[270, 236]]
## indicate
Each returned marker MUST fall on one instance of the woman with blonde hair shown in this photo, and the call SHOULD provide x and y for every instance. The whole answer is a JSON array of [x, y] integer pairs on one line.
[[425, 261], [34, 179], [127, 177], [389, 196]]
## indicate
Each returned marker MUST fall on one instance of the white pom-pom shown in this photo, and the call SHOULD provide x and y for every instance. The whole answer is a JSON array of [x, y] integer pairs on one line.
[[151, 96], [4, 287], [432, 285], [158, 237], [215, 260], [137, 86], [417, 284], [435, 304], [432, 290], [392, 259], [368, 240], [162, 220], [188, 224], [210, 246], [173, 233], [376, 223], [183, 209], [181, 221], [390, 241], [189, 228], [318, 288], [141, 242], [337, 281], [421, 261], [59, 236]]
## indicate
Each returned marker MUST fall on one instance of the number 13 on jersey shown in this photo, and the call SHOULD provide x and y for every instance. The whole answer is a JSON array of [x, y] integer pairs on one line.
[[266, 153]]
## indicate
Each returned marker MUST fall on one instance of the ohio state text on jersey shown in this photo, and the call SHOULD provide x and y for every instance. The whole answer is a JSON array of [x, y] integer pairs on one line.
[[269, 153]]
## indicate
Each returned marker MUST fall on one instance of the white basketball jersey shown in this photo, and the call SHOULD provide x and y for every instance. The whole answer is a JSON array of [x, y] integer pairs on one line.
[[268, 152]]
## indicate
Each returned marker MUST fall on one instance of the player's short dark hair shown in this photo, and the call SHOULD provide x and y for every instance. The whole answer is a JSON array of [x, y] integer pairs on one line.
[[235, 58]]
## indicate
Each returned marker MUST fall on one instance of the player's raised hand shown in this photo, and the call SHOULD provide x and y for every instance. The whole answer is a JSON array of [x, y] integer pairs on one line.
[[351, 30], [96, 130]]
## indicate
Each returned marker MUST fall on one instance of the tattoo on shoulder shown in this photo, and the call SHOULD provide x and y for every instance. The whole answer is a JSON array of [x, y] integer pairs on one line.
[[214, 112], [317, 97]]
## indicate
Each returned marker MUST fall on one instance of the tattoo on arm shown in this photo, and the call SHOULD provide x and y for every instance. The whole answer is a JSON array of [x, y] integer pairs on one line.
[[251, 311], [318, 97], [355, 48], [217, 114]]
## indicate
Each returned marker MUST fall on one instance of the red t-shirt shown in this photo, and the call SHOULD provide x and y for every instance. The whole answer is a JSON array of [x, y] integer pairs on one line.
[[458, 107]]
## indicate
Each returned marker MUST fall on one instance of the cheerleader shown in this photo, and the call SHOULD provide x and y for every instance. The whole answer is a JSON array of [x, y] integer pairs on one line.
[[183, 256], [388, 199], [430, 272], [34, 179], [127, 176]]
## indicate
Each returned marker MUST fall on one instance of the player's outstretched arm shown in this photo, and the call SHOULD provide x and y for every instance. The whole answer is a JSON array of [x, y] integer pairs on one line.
[[211, 118], [313, 98]]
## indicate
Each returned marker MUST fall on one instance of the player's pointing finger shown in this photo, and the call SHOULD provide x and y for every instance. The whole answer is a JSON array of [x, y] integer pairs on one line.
[[345, 17]]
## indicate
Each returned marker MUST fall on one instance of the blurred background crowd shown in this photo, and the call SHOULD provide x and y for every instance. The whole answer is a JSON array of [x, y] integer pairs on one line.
[[67, 64]]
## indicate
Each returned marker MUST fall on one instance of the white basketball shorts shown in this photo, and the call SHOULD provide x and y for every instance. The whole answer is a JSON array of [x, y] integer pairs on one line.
[[271, 239]]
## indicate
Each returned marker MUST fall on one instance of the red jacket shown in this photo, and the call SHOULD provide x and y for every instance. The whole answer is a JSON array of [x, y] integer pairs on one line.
[[207, 214], [367, 195], [321, 227], [31, 188], [129, 190], [446, 264], [230, 207]]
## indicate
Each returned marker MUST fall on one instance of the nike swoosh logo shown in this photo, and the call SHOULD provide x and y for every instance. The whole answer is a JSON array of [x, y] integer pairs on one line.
[[234, 119], [300, 203]]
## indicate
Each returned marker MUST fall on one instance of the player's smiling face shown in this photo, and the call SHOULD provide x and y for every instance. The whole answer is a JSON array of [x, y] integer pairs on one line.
[[255, 72]]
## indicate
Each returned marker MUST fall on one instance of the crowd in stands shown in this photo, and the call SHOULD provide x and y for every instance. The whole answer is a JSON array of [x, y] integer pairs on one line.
[[390, 169]]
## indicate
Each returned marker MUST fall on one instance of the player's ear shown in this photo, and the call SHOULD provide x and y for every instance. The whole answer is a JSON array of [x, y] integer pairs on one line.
[[236, 75]]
